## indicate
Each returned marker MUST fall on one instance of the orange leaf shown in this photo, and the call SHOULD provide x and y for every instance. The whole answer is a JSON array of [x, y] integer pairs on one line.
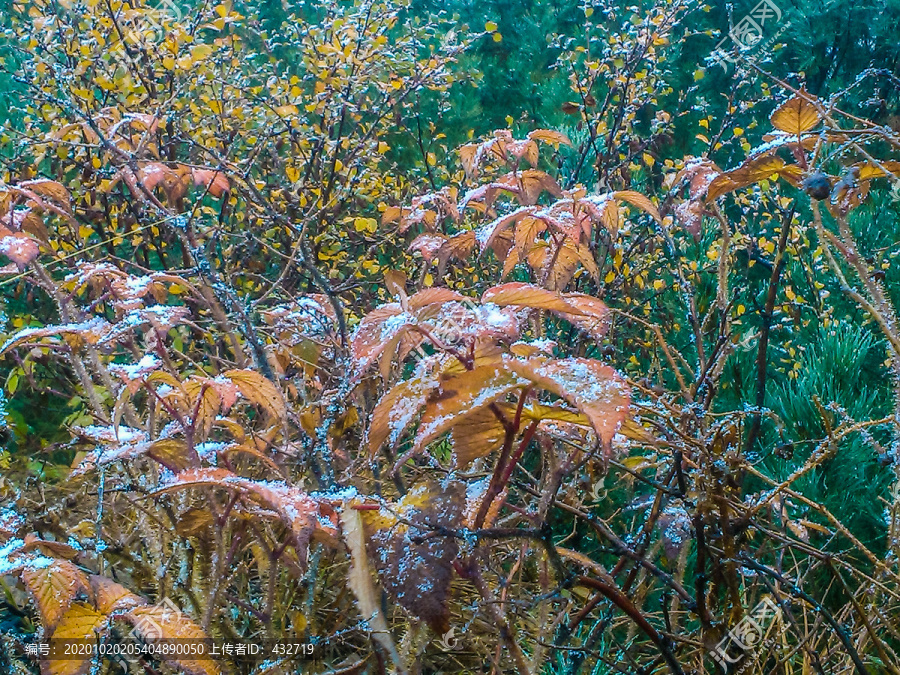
[[53, 588], [80, 623], [396, 411], [375, 331], [594, 388], [459, 396], [638, 200], [214, 182], [258, 390], [548, 136], [165, 622], [528, 295], [594, 314], [478, 437], [433, 296], [796, 115], [111, 597], [20, 248]]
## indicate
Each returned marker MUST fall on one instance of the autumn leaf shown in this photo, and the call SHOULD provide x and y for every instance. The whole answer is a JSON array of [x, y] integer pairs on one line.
[[479, 436], [80, 623], [640, 201], [214, 182], [258, 390], [360, 581], [796, 115], [110, 597], [375, 331], [397, 409], [548, 136], [595, 389], [53, 588], [869, 170], [528, 295], [458, 396], [20, 248], [300, 512], [417, 573], [164, 622]]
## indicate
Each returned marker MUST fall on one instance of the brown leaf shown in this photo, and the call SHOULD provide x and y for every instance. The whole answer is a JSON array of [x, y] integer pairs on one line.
[[458, 246], [396, 410], [395, 282], [165, 622], [111, 597], [300, 512], [258, 390], [489, 232], [53, 588], [481, 434], [375, 331], [80, 623], [214, 182], [417, 573], [594, 388], [433, 296], [527, 295], [533, 182], [48, 189], [796, 115]]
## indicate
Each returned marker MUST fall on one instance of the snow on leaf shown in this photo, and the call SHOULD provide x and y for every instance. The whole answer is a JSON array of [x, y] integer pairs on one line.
[[163, 622], [396, 410], [53, 588], [258, 390], [91, 326], [133, 374], [460, 395], [640, 201], [527, 295], [416, 573], [360, 581], [304, 515], [375, 331], [20, 248], [488, 232], [428, 245], [796, 115], [80, 623], [595, 389], [594, 318]]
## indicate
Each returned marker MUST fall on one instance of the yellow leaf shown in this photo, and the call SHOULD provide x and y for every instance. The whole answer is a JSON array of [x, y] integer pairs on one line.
[[796, 115], [258, 390]]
